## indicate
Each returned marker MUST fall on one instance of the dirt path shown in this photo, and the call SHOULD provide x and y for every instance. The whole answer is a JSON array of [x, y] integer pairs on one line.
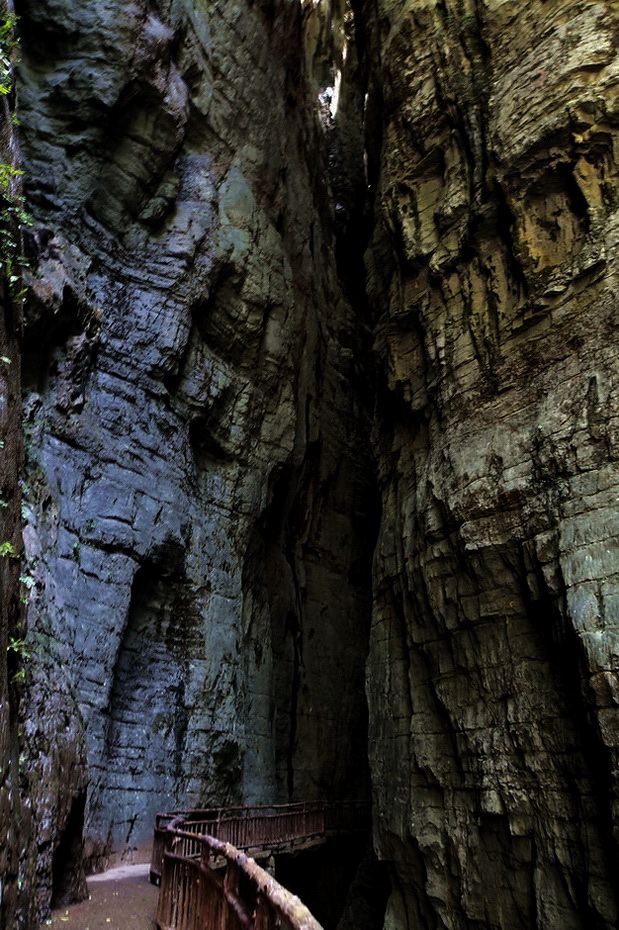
[[120, 899]]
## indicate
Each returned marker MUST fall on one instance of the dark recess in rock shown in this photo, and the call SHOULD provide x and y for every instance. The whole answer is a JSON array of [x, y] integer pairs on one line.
[[68, 882]]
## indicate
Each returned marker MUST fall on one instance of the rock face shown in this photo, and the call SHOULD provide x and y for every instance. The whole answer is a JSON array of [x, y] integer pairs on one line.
[[225, 196], [492, 271], [16, 848], [200, 518]]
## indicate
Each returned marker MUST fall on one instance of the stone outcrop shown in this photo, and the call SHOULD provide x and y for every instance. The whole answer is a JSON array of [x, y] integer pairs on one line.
[[493, 275]]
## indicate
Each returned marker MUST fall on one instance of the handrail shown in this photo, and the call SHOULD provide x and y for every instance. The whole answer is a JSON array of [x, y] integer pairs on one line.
[[195, 895], [199, 868], [269, 827]]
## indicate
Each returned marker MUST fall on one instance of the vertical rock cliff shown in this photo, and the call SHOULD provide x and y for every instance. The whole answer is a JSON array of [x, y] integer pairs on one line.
[[314, 284], [199, 497], [493, 275]]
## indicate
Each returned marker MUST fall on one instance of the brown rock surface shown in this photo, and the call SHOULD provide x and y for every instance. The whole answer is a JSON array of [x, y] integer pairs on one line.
[[492, 677], [16, 849]]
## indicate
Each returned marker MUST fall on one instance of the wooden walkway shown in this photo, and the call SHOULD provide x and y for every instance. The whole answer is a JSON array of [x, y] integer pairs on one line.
[[201, 859]]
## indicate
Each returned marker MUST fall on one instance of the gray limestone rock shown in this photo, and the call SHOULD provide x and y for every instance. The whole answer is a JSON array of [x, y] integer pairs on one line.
[[199, 508]]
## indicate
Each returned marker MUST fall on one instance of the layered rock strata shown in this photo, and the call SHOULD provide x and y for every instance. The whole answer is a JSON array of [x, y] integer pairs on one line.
[[493, 275], [199, 510]]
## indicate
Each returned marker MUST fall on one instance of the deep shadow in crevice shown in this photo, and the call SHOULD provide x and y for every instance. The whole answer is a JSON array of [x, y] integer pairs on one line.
[[205, 444], [565, 652], [341, 882], [68, 880], [145, 755], [46, 339]]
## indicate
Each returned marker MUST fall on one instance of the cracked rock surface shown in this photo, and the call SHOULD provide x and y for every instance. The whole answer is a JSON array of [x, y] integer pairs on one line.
[[492, 678], [198, 506]]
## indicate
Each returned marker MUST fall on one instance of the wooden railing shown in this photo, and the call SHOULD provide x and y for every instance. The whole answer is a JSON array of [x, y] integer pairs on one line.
[[223, 889], [273, 828], [207, 883]]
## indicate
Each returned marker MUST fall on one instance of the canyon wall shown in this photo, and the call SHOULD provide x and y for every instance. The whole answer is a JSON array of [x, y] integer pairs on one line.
[[199, 507], [492, 272], [303, 275]]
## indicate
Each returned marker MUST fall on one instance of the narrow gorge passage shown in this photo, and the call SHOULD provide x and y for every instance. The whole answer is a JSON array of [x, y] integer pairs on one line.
[[200, 502], [312, 493]]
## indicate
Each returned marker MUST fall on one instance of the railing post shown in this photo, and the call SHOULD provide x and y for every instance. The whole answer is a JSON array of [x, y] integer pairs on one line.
[[263, 919], [231, 878]]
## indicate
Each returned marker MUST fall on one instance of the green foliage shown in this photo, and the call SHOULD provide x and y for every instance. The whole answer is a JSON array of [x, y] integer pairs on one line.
[[8, 549], [19, 646], [29, 583], [29, 428], [8, 45], [7, 174], [21, 651], [13, 216]]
